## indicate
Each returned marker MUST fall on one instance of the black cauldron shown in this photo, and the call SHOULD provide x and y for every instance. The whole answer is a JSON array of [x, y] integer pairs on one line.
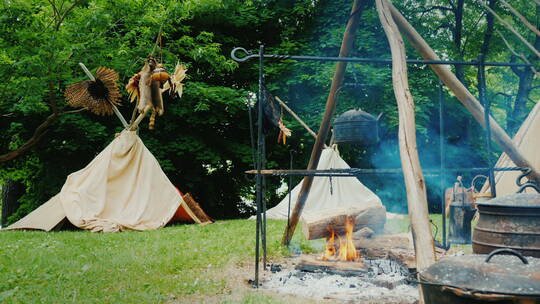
[[356, 127], [475, 279], [511, 221]]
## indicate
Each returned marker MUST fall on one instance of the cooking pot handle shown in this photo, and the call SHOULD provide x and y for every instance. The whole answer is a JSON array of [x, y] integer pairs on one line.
[[477, 296], [507, 250]]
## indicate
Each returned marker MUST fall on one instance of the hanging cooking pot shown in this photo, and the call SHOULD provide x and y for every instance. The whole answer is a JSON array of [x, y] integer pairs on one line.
[[482, 279], [511, 221], [356, 127]]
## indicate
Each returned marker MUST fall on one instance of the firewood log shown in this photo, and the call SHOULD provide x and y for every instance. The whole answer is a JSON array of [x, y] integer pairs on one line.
[[315, 225]]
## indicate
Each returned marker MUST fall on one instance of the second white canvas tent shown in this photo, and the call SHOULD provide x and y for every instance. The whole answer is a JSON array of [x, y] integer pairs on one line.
[[329, 194], [527, 139]]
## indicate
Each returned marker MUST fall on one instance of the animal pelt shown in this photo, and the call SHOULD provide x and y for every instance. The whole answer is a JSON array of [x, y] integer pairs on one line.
[[148, 85]]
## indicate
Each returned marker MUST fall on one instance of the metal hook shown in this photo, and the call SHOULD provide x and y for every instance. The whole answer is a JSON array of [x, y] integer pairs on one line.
[[248, 54]]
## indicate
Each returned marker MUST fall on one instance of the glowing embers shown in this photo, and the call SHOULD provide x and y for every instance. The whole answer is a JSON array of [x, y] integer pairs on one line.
[[345, 251]]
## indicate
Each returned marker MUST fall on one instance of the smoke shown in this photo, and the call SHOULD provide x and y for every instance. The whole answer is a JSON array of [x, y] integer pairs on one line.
[[458, 154]]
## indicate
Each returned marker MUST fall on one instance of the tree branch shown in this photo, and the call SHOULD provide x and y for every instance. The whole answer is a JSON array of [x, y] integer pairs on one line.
[[38, 134], [515, 69], [73, 111], [65, 13], [513, 30], [436, 7], [521, 17]]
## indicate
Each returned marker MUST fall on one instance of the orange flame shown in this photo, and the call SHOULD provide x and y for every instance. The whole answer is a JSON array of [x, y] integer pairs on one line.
[[347, 250]]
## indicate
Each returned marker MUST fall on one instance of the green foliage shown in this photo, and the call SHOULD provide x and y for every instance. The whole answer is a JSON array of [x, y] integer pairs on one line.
[[202, 141]]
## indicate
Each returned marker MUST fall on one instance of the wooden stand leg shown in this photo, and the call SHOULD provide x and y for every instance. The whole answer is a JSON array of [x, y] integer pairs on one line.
[[461, 92], [346, 45], [412, 172]]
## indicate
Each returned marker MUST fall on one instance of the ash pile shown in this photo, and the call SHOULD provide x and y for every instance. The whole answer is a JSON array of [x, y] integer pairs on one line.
[[383, 281]]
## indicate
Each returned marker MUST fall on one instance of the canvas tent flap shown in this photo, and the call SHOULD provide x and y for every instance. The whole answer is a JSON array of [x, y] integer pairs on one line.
[[122, 188], [527, 139], [46, 217], [329, 193]]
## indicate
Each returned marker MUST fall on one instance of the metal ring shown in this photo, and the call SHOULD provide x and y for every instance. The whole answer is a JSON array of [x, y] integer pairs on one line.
[[248, 54], [507, 250]]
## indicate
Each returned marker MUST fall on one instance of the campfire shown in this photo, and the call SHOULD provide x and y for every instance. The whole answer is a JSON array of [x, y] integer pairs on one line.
[[346, 251]]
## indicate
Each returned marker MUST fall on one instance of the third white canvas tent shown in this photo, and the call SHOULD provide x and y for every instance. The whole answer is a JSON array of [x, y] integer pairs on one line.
[[329, 194], [527, 140]]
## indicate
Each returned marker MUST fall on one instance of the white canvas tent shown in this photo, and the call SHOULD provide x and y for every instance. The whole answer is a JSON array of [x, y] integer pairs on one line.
[[122, 188], [527, 139], [329, 194]]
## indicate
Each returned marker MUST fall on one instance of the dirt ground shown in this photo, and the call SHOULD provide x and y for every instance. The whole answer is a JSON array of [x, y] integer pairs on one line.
[[239, 289]]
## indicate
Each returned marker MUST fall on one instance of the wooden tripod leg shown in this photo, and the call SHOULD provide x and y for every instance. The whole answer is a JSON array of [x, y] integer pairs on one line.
[[346, 45], [463, 95], [410, 161]]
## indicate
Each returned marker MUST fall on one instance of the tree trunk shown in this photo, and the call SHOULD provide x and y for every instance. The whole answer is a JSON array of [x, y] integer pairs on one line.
[[11, 193], [456, 37], [412, 172], [526, 77]]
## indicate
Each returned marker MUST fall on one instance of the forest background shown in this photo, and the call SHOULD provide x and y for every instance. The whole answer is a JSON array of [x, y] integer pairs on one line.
[[203, 140]]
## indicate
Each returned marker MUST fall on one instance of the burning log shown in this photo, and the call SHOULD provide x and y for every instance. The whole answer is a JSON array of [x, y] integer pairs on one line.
[[343, 268], [315, 225]]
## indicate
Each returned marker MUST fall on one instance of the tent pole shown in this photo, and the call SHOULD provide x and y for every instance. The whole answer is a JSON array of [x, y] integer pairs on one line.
[[339, 75], [463, 95]]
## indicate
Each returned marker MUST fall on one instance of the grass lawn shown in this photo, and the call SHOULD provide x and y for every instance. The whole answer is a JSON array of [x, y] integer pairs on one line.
[[178, 264], [175, 264]]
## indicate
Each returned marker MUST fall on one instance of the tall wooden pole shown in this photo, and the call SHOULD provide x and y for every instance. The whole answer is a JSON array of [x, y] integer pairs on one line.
[[339, 74], [463, 95], [412, 172]]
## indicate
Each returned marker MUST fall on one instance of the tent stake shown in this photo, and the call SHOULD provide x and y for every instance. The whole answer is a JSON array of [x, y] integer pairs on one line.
[[339, 74]]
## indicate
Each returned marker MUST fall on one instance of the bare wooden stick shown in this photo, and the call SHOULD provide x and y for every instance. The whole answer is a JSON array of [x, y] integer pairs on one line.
[[87, 72], [337, 80], [134, 113], [137, 121], [424, 247], [115, 109], [461, 92], [284, 105], [509, 27], [521, 17]]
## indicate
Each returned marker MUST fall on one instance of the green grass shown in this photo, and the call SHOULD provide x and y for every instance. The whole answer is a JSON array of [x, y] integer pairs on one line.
[[178, 264], [129, 267]]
